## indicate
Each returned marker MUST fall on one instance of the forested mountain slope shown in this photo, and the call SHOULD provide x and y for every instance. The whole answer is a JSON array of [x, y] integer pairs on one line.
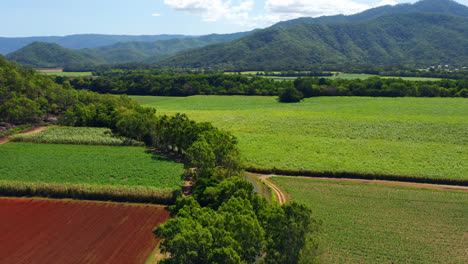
[[410, 38], [448, 7], [46, 55]]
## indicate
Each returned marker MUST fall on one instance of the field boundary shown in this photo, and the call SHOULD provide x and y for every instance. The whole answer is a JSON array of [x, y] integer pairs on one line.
[[358, 176], [281, 197], [29, 131], [428, 186], [137, 194]]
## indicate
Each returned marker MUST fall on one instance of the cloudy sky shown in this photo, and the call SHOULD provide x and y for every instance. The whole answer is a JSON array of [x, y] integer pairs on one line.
[[151, 17]]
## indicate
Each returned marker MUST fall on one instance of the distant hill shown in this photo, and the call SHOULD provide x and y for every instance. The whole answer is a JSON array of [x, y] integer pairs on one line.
[[49, 55], [409, 38], [448, 7], [82, 41]]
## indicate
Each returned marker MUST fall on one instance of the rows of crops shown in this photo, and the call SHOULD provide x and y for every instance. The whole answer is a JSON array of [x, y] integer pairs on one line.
[[78, 136], [102, 165], [416, 137], [63, 231], [382, 224]]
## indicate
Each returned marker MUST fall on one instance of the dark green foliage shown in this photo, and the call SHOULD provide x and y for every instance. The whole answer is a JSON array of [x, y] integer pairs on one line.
[[290, 95], [155, 82], [410, 38], [288, 229], [239, 225]]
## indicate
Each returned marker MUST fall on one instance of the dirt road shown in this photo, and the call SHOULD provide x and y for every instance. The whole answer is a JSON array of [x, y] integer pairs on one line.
[[27, 132], [283, 197]]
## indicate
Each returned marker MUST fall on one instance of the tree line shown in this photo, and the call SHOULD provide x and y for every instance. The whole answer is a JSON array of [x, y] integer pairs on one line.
[[225, 221], [176, 83]]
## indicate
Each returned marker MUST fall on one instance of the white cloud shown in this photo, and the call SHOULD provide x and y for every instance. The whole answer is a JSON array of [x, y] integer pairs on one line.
[[213, 10], [289, 9], [386, 2], [155, 14]]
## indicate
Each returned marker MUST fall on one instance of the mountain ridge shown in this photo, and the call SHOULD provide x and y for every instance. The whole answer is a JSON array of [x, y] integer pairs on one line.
[[429, 6], [408, 38], [50, 55]]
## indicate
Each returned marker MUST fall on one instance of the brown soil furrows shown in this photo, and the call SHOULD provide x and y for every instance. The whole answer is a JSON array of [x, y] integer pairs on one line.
[[279, 194], [27, 132], [66, 231]]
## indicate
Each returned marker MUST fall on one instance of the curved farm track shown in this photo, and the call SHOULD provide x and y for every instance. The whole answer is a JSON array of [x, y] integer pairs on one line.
[[280, 195], [391, 183], [283, 197], [66, 231], [27, 132]]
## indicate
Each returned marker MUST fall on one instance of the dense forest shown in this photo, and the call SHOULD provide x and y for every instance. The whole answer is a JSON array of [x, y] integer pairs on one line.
[[421, 39], [180, 83]]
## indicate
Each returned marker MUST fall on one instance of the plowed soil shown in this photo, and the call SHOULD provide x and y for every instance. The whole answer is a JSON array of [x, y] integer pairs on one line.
[[64, 231]]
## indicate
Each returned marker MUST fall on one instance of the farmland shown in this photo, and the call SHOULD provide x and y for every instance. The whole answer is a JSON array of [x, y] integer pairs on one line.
[[78, 136], [65, 231], [420, 137], [382, 224], [339, 75], [83, 164], [69, 74]]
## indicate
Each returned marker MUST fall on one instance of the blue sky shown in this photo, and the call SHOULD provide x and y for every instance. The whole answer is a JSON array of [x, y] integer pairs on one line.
[[20, 18]]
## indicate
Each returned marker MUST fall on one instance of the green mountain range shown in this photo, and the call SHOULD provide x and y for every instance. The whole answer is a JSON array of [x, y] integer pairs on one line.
[[448, 7], [80, 41], [50, 55], [398, 38], [426, 33]]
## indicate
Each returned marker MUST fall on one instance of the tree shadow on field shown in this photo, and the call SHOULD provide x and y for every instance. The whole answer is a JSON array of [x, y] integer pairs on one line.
[[164, 156]]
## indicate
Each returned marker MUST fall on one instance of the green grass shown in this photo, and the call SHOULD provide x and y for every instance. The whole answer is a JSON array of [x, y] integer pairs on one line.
[[77, 135], [82, 164], [380, 224], [69, 74], [422, 137]]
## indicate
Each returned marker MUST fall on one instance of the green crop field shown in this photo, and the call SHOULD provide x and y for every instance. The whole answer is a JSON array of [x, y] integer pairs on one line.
[[78, 136], [340, 75], [76, 164], [422, 137], [69, 74], [382, 224]]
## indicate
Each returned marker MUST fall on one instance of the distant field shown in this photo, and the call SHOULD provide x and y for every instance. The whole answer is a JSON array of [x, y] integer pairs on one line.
[[379, 224], [347, 76], [69, 74], [422, 137], [366, 76], [62, 231], [83, 164]]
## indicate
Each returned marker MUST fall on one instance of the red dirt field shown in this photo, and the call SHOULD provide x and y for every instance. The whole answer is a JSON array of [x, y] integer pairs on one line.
[[66, 231]]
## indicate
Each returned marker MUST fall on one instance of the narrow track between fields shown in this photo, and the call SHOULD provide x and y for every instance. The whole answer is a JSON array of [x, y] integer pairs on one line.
[[429, 186], [280, 196], [27, 132]]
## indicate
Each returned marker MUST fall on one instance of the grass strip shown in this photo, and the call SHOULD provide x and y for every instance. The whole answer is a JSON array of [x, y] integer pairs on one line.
[[138, 194], [364, 176]]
